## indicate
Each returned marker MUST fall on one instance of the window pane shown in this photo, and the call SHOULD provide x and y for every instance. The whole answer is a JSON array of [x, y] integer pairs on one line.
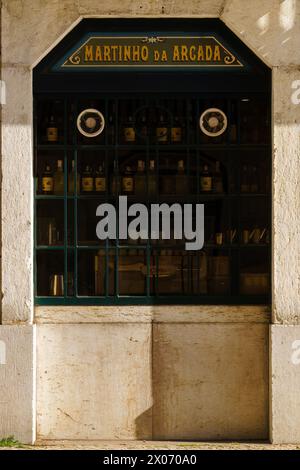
[[50, 273]]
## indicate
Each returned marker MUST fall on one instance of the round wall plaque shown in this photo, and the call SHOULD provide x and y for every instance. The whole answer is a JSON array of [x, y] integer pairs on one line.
[[213, 122], [90, 122]]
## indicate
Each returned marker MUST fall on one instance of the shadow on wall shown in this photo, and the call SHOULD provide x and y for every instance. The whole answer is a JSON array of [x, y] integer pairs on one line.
[[276, 25], [143, 425]]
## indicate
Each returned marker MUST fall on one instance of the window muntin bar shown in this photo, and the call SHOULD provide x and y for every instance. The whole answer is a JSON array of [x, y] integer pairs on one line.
[[229, 275]]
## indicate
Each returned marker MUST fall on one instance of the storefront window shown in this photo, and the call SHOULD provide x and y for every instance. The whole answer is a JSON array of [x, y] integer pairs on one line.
[[176, 138], [152, 150]]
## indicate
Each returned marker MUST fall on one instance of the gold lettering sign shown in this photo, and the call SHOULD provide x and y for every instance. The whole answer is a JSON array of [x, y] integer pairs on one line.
[[151, 51]]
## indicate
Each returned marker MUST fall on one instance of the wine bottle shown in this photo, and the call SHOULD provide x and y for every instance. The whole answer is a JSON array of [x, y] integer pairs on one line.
[[254, 188], [181, 179], [59, 178], [176, 129], [205, 180], [52, 130], [144, 127], [128, 181], [152, 185], [140, 178], [87, 180], [71, 180], [129, 129], [245, 187], [47, 180], [217, 179], [99, 272], [115, 181], [162, 129], [100, 180], [233, 124], [167, 181], [111, 125]]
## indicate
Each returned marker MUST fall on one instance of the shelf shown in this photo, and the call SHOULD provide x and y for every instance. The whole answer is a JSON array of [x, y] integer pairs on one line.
[[160, 197], [50, 247], [182, 146], [153, 246], [201, 299]]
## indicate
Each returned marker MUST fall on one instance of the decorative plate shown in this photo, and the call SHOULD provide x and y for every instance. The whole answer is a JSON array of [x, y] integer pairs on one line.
[[90, 122], [213, 122]]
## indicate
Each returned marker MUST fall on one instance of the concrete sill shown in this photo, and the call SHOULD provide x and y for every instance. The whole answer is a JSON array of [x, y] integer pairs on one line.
[[154, 314]]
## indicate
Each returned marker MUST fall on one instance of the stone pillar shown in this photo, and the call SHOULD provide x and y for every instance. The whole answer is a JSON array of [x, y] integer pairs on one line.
[[17, 382], [272, 30], [17, 332], [285, 330]]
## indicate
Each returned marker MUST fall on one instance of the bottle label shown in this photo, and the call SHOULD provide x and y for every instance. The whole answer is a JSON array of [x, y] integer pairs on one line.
[[87, 183], [206, 183], [176, 134], [47, 184], [52, 134], [127, 184], [162, 134], [100, 183], [129, 134]]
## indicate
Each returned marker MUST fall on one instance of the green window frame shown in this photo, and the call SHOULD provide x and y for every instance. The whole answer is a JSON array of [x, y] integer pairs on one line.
[[233, 218]]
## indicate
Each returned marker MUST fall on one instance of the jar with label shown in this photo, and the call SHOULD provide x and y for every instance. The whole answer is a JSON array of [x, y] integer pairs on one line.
[[87, 181], [100, 180], [128, 181], [47, 181], [206, 180]]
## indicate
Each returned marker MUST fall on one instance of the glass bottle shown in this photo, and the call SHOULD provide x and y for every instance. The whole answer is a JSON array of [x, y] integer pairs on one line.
[[245, 179], [181, 179], [191, 126], [152, 186], [176, 129], [52, 130], [99, 272], [218, 180], [59, 178], [128, 181], [233, 124], [100, 180], [206, 180], [115, 181], [87, 180], [162, 129], [254, 188], [140, 178], [47, 180], [71, 180], [129, 129], [143, 131], [111, 125], [167, 182]]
